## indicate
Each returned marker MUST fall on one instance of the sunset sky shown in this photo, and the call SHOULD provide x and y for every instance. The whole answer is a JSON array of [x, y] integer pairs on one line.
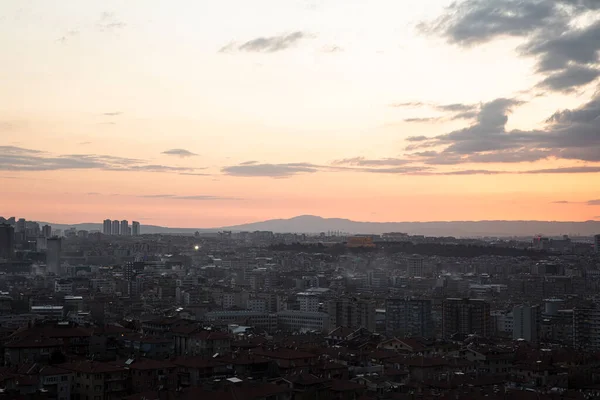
[[207, 114]]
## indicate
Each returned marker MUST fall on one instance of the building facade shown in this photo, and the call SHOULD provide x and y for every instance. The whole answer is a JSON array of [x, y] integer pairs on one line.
[[408, 317], [466, 317]]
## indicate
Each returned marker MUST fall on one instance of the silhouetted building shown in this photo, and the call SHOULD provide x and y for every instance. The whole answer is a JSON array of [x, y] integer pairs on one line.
[[597, 243], [7, 241], [53, 255], [115, 227], [107, 227], [352, 313], [124, 227], [135, 228], [47, 231], [526, 322], [466, 317], [407, 317]]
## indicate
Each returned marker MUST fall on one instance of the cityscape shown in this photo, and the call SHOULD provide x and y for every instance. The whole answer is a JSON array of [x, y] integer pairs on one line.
[[300, 200], [122, 314]]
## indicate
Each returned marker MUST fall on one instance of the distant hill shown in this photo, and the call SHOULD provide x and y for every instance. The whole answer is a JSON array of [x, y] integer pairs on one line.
[[314, 224], [146, 229]]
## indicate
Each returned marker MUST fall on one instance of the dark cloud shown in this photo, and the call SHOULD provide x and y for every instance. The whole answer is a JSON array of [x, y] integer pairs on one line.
[[478, 21], [555, 52], [267, 44], [562, 202], [192, 197], [547, 28], [595, 202], [22, 159], [570, 135], [249, 163], [179, 153]]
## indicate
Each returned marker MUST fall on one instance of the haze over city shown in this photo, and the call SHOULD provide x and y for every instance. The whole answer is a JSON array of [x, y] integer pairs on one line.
[[199, 115]]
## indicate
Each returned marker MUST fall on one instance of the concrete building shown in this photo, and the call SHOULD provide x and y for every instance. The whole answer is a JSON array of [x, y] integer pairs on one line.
[[53, 255], [7, 241], [64, 286], [107, 227], [47, 231], [115, 229], [408, 317], [526, 322], [586, 328], [300, 321], [352, 312], [414, 266], [135, 228], [466, 317], [49, 312], [124, 230], [597, 243], [309, 302]]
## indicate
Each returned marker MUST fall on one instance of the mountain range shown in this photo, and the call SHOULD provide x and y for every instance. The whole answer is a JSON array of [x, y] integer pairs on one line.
[[315, 224]]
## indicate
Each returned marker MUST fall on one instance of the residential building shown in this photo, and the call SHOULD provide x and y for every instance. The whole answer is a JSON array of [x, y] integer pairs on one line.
[[352, 312], [115, 229], [309, 302], [135, 228], [64, 286], [7, 241], [47, 231], [586, 328], [408, 317], [414, 267], [124, 230], [53, 255], [107, 227], [97, 380], [465, 317], [526, 322]]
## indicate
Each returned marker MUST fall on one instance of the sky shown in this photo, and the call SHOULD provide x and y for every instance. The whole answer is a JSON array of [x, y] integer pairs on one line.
[[207, 114]]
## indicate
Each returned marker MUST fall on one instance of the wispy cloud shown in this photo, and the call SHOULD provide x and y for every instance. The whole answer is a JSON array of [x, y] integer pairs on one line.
[[595, 202], [68, 36], [270, 170], [179, 153], [14, 158], [109, 22], [188, 197], [332, 49], [269, 44], [112, 114]]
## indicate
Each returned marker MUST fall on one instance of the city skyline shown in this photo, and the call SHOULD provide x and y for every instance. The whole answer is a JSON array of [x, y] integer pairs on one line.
[[196, 116]]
